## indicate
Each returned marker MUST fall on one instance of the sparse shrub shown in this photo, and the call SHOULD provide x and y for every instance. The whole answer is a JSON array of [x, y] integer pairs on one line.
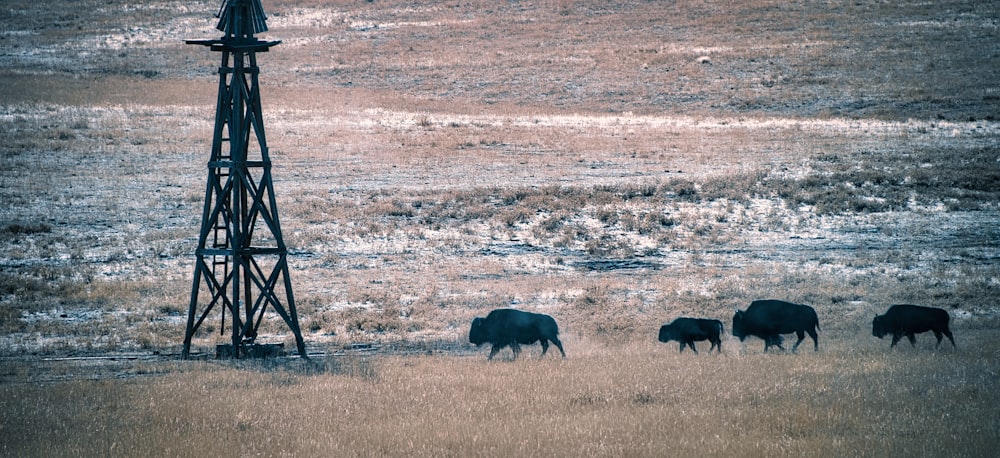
[[703, 230], [63, 133], [684, 190], [607, 215], [513, 196], [646, 223], [551, 225], [10, 318], [374, 320], [23, 286], [512, 217], [738, 187], [27, 228], [392, 207], [172, 309]]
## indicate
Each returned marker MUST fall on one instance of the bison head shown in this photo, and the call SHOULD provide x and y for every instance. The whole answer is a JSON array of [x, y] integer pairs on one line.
[[477, 335], [666, 334], [738, 329], [879, 327]]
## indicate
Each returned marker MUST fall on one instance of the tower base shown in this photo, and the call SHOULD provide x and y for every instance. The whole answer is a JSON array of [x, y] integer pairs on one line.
[[252, 351]]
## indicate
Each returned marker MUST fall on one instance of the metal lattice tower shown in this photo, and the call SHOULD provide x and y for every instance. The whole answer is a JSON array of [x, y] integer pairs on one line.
[[241, 256]]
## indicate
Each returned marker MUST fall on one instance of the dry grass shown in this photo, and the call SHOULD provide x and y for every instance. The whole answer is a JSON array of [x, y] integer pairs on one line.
[[853, 398]]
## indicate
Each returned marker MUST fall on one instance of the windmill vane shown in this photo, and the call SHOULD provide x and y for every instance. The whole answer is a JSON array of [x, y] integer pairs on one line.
[[241, 18]]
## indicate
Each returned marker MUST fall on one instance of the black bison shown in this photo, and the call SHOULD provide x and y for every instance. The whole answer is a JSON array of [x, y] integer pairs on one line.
[[509, 327], [687, 331], [907, 320], [768, 319]]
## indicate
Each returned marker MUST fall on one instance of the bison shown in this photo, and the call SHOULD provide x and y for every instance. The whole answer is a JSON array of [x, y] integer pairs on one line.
[[906, 320], [509, 327], [768, 319], [687, 331]]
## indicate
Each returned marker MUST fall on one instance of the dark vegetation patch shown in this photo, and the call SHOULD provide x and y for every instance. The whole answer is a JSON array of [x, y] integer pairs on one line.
[[616, 264], [868, 182], [26, 228], [25, 293], [877, 182]]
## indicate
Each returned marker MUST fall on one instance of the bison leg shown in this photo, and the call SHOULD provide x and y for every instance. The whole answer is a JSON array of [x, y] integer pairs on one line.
[[716, 343], [682, 346], [545, 346], [493, 351], [947, 333], [938, 336], [773, 340], [802, 336], [516, 348], [913, 339], [815, 338], [558, 344], [691, 344]]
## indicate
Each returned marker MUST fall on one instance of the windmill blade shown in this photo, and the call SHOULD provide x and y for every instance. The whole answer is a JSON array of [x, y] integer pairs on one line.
[[242, 18]]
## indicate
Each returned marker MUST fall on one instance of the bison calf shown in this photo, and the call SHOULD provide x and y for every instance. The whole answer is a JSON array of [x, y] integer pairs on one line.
[[907, 320], [509, 327], [687, 331]]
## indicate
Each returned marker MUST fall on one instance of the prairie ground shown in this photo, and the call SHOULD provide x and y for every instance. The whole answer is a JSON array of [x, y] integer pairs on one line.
[[614, 165], [851, 398]]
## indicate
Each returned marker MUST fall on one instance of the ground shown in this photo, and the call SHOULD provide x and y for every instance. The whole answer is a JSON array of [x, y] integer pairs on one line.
[[615, 165]]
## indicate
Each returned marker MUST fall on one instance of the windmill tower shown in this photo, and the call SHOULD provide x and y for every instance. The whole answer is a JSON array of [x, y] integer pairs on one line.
[[241, 267]]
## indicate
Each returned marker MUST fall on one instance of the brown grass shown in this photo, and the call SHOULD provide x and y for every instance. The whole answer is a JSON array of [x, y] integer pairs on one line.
[[855, 397]]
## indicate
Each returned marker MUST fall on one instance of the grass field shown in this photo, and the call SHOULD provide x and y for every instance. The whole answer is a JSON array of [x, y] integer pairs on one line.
[[852, 398], [614, 165]]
